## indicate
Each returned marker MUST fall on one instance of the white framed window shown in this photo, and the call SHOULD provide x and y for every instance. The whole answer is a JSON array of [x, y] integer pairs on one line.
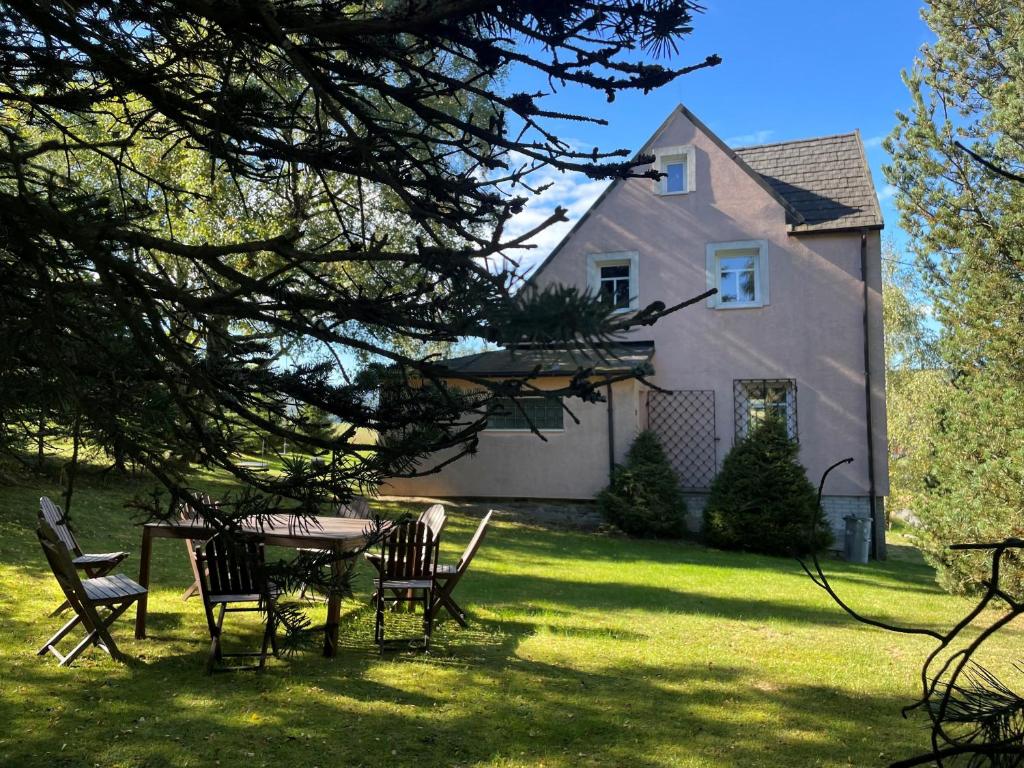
[[740, 273], [614, 277], [679, 166]]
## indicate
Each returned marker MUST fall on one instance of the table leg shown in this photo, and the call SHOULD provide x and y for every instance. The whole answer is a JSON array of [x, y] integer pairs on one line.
[[333, 612], [144, 557]]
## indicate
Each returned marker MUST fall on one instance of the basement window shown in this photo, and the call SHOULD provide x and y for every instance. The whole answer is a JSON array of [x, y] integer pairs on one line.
[[544, 413]]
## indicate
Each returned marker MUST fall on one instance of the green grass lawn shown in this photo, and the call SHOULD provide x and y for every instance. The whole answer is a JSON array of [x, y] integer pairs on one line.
[[583, 650]]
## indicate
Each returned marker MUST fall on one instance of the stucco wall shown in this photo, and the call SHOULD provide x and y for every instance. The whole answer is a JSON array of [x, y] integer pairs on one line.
[[812, 330], [572, 464]]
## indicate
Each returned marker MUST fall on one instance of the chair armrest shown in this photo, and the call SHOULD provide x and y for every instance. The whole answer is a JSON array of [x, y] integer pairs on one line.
[[105, 558]]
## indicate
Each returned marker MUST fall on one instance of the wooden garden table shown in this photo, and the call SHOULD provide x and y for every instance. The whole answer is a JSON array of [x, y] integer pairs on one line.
[[282, 530]]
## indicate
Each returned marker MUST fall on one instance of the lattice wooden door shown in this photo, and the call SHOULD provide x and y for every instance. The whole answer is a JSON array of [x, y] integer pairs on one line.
[[684, 421]]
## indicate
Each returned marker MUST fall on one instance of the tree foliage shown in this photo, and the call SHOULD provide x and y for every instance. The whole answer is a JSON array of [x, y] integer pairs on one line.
[[915, 383], [644, 498], [957, 158], [237, 213], [762, 501]]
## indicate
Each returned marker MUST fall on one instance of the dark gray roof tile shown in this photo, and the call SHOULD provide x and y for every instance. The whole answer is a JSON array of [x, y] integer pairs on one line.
[[826, 179]]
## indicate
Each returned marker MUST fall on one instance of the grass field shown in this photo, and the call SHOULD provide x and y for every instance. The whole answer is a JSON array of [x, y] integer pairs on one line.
[[583, 650]]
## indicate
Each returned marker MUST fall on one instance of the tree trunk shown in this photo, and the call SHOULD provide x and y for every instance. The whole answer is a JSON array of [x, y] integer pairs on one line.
[[41, 440], [76, 438]]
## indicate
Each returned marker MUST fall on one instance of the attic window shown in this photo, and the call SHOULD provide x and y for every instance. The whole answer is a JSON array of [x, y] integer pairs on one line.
[[677, 163], [675, 175]]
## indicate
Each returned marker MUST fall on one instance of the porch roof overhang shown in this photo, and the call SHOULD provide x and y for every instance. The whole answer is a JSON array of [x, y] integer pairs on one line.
[[525, 361]]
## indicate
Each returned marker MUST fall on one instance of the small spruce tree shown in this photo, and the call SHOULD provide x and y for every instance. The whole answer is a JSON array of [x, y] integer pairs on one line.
[[644, 498], [762, 501]]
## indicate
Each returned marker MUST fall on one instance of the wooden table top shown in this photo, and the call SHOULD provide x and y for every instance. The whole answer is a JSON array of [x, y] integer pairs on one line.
[[278, 529]]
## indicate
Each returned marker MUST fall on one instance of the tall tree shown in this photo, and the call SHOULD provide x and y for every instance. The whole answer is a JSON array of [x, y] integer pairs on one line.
[[955, 158], [915, 382], [402, 161]]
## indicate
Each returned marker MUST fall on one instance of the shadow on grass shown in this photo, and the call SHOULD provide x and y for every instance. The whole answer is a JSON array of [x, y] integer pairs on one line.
[[906, 571], [481, 698], [476, 701]]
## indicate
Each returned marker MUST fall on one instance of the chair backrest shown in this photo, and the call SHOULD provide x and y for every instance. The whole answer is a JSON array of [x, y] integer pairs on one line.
[[474, 543], [435, 518], [56, 519], [230, 566], [187, 512], [409, 551], [358, 508], [64, 571]]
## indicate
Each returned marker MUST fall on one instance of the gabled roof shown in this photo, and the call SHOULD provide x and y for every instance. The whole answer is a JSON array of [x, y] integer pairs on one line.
[[826, 179], [819, 182], [625, 357], [793, 216]]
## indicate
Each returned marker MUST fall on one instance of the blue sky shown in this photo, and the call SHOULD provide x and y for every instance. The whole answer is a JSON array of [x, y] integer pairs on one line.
[[791, 69]]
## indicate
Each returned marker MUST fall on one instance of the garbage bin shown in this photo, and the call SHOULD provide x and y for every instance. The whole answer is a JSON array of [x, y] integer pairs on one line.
[[858, 539]]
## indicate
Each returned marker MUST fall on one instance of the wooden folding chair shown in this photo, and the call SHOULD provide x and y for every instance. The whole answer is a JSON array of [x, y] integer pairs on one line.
[[408, 557], [93, 565], [232, 579], [435, 517], [448, 576], [115, 593], [187, 513], [357, 509]]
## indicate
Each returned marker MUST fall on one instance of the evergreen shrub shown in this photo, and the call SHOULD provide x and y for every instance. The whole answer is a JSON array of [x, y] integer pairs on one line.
[[762, 501], [644, 498]]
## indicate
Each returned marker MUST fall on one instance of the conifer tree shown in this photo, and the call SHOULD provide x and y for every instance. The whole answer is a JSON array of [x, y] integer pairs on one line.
[[644, 498], [957, 161], [217, 218], [259, 209], [762, 501]]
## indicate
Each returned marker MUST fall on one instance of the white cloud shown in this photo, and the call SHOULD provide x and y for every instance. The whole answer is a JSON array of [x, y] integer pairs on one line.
[[573, 191], [873, 141], [886, 192], [750, 139]]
